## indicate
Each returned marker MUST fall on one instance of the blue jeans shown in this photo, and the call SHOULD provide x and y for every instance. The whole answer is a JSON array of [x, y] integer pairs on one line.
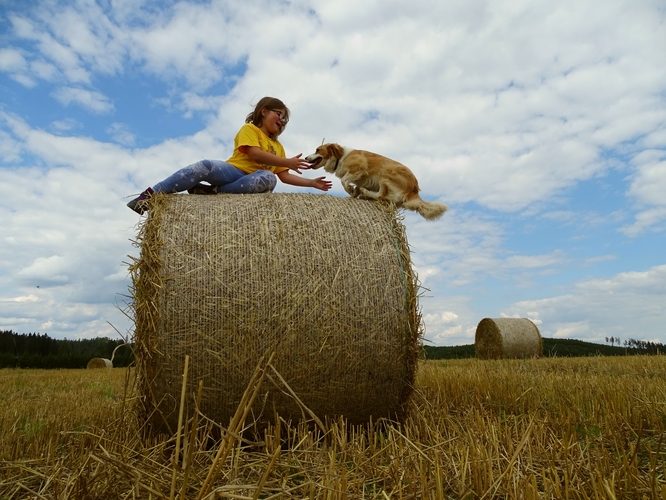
[[224, 176]]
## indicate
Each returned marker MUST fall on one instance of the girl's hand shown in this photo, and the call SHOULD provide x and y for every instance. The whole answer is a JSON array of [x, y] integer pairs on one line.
[[257, 155], [322, 183], [296, 163]]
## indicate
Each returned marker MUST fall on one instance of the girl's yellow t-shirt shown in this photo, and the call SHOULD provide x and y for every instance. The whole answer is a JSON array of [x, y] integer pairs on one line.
[[251, 135]]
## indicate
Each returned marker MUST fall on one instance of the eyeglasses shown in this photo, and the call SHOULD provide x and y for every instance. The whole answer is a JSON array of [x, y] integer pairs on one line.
[[281, 115]]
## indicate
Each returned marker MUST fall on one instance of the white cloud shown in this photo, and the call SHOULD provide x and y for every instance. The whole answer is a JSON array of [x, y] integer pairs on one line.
[[24, 80], [624, 305], [647, 186], [194, 102], [465, 248], [23, 298], [65, 125], [121, 133], [51, 269], [449, 320], [445, 317], [10, 148], [44, 70], [600, 258], [64, 58], [92, 100], [647, 219], [53, 314], [11, 60], [70, 39], [503, 105], [171, 46], [535, 261]]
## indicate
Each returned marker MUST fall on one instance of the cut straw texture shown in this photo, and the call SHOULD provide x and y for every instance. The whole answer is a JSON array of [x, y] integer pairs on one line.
[[99, 363], [324, 282], [504, 338]]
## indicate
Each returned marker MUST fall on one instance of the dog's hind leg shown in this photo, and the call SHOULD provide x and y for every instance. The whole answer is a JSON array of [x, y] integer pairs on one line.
[[372, 195], [383, 192], [350, 188]]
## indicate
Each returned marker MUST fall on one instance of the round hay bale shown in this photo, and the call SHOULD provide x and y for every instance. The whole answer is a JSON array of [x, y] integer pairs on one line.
[[325, 282], [99, 363], [504, 338]]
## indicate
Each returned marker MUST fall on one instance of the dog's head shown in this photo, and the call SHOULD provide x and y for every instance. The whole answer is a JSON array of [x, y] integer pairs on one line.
[[324, 153]]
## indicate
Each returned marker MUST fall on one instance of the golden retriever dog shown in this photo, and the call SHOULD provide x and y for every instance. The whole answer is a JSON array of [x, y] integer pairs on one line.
[[369, 175]]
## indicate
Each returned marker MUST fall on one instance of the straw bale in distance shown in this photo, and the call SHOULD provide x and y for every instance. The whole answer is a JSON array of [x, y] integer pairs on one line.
[[498, 338], [326, 282], [99, 363]]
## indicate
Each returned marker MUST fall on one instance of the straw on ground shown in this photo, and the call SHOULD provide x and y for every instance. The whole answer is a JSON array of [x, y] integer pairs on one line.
[[517, 429]]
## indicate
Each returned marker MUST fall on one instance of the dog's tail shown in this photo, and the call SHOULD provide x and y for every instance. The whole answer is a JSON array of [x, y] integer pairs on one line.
[[430, 210]]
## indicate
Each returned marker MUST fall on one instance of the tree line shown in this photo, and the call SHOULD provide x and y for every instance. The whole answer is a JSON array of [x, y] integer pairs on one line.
[[559, 348], [640, 346], [34, 350]]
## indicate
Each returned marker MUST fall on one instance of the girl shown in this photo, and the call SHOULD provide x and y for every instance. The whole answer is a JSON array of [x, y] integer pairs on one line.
[[257, 160]]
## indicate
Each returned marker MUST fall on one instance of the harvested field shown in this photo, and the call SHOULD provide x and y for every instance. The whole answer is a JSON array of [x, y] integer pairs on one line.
[[536, 428]]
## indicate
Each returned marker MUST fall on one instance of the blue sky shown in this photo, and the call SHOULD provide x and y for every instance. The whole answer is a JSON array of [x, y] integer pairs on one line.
[[541, 125]]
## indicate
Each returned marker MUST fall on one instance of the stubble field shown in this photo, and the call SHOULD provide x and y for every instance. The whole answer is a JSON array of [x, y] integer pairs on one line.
[[543, 428]]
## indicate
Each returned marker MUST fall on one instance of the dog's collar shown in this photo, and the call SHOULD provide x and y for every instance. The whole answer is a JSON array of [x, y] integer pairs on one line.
[[337, 162]]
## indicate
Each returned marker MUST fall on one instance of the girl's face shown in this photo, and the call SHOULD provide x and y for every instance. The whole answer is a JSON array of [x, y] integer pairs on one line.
[[273, 121]]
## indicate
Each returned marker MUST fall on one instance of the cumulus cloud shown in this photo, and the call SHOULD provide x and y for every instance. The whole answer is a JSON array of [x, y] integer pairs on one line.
[[23, 298], [91, 100], [449, 320], [65, 125], [10, 149], [501, 109], [629, 298], [647, 188], [121, 133], [51, 269], [467, 248], [11, 60]]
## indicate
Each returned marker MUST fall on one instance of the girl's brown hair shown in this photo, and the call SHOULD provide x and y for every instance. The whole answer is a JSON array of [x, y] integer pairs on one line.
[[271, 103]]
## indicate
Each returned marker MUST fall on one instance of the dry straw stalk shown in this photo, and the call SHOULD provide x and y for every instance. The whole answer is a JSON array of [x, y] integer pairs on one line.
[[502, 338], [325, 282]]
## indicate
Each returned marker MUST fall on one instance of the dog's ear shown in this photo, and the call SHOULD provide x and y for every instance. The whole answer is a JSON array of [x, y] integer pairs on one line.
[[336, 150]]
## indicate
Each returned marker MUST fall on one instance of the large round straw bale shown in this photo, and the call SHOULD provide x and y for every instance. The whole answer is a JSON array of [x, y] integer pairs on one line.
[[99, 363], [325, 282], [498, 338]]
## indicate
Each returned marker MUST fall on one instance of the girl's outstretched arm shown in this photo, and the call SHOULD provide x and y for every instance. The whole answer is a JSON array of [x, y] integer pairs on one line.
[[318, 183], [264, 157]]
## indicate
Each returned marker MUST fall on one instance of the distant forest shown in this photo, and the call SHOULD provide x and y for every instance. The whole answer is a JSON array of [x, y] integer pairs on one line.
[[33, 350], [561, 348]]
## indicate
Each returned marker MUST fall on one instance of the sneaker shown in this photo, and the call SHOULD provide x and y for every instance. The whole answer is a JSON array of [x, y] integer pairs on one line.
[[139, 204], [202, 189]]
